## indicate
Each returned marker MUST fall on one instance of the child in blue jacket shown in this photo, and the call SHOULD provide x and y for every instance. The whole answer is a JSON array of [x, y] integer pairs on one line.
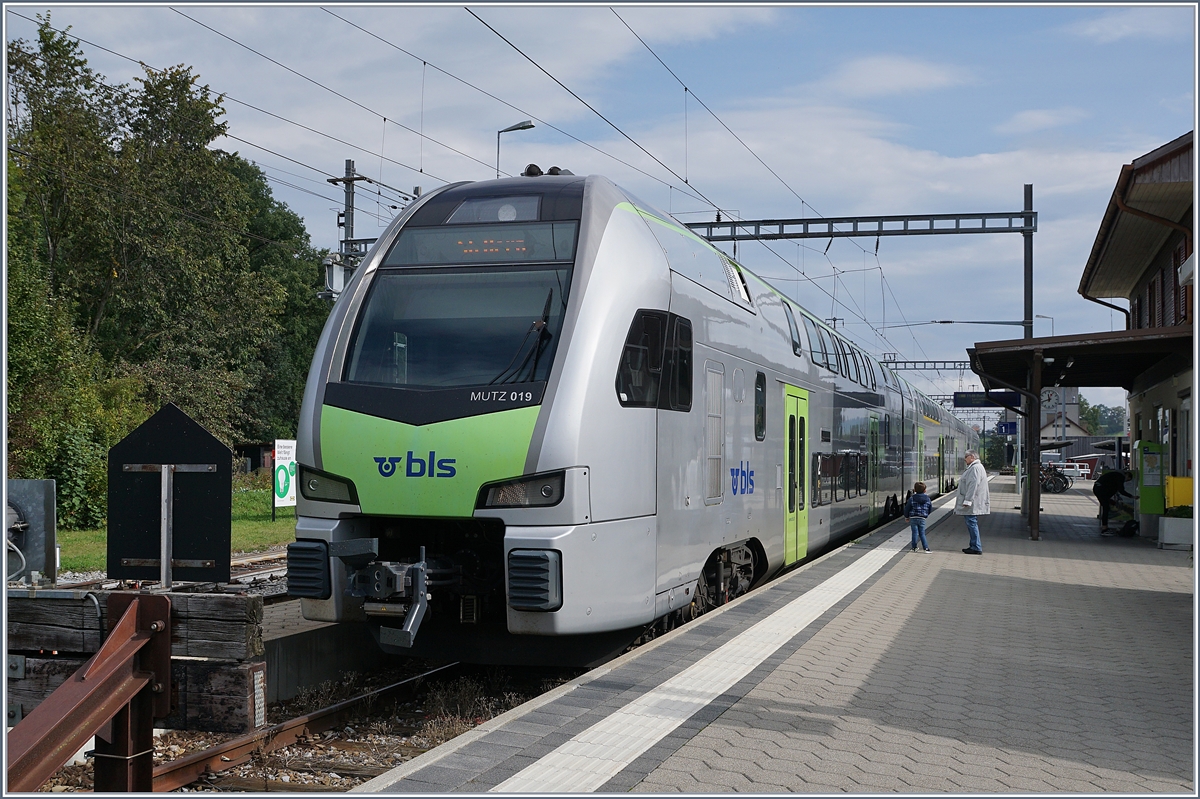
[[916, 509]]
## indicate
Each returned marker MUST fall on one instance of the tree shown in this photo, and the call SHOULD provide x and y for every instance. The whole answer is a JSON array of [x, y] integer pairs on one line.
[[145, 266], [1089, 416], [63, 411], [1101, 420], [286, 356]]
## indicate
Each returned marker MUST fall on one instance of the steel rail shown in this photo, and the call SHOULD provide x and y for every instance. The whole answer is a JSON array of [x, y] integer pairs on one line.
[[189, 768]]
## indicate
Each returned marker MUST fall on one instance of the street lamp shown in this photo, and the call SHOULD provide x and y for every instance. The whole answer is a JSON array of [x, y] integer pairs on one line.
[[1051, 318], [526, 125]]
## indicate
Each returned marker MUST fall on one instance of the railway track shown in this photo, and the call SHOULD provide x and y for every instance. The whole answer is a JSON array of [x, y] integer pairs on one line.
[[246, 570], [223, 757], [344, 743]]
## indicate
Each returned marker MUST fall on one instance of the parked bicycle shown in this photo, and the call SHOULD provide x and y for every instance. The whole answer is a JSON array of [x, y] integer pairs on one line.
[[1055, 481]]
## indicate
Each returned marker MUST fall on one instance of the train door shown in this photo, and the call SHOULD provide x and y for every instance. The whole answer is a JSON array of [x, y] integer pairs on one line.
[[795, 441], [920, 454], [874, 458]]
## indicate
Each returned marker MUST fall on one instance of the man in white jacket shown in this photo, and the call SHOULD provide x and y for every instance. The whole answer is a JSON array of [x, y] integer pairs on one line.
[[973, 499]]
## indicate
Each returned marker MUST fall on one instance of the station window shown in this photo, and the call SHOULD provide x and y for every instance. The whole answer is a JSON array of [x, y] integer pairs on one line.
[[760, 406]]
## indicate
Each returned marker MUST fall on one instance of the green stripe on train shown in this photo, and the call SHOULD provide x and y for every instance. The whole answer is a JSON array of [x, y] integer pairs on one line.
[[478, 449]]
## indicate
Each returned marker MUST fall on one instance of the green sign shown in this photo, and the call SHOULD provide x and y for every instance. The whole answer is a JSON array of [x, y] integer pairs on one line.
[[285, 473]]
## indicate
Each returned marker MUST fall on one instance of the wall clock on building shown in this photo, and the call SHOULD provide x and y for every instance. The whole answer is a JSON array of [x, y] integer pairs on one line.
[[1050, 397]]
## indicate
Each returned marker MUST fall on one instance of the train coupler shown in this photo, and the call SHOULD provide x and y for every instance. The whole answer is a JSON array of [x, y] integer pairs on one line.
[[390, 589]]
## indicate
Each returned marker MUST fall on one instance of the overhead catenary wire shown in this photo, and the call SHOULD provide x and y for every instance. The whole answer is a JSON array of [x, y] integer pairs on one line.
[[335, 92], [687, 90], [111, 88], [693, 191], [593, 109], [230, 98], [504, 102], [632, 140]]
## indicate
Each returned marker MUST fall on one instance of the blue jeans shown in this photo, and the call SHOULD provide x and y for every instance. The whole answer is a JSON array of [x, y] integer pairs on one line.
[[918, 529], [973, 531]]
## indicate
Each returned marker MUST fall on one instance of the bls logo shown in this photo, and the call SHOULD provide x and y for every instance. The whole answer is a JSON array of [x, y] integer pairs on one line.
[[743, 478], [418, 467]]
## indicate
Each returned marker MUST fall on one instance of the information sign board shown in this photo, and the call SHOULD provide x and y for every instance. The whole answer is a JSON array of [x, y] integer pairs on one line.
[[985, 399], [1006, 428], [285, 473]]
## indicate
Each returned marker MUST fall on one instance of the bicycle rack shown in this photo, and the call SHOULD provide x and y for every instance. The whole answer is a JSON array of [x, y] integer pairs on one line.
[[115, 696]]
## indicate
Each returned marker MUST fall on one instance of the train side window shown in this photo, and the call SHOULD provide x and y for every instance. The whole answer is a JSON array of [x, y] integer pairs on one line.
[[791, 437], [869, 363], [799, 454], [795, 331], [856, 370], [862, 475], [760, 406], [843, 359], [816, 345], [887, 430], [677, 368], [817, 460], [639, 374], [839, 466]]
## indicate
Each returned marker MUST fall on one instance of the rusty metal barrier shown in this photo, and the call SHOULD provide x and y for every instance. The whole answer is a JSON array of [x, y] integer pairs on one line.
[[115, 696]]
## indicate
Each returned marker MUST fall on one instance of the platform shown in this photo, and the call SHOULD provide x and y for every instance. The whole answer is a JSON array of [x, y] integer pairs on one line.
[[1063, 664]]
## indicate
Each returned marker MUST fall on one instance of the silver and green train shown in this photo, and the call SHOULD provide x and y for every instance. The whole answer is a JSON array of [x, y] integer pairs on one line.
[[544, 418]]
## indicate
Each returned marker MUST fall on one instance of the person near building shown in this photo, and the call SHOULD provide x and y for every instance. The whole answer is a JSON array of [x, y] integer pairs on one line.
[[1106, 488], [916, 509], [973, 499]]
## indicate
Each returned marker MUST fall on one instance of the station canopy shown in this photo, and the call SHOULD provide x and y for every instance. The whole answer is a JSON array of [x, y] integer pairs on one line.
[[1110, 359]]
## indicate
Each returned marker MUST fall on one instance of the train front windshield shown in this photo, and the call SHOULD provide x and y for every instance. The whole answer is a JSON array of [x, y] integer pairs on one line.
[[465, 326]]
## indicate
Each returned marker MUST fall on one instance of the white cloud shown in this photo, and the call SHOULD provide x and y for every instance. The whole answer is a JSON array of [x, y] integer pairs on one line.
[[1153, 23], [841, 159], [1036, 119], [1180, 103], [875, 76]]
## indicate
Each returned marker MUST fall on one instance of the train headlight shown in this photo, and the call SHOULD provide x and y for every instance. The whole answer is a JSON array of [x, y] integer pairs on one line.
[[325, 487], [539, 491]]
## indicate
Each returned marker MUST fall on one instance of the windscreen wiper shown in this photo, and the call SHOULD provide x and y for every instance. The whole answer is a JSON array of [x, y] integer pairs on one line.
[[539, 344]]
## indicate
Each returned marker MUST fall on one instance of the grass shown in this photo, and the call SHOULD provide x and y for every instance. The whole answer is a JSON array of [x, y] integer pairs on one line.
[[251, 531]]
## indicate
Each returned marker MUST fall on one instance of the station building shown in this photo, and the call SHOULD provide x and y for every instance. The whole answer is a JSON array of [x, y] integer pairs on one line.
[[1143, 256]]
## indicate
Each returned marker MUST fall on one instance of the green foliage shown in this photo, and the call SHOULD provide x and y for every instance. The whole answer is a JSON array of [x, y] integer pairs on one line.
[[1101, 420], [63, 414], [145, 267], [991, 451]]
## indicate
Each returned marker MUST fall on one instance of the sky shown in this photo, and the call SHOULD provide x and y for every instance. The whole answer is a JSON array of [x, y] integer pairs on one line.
[[788, 112]]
